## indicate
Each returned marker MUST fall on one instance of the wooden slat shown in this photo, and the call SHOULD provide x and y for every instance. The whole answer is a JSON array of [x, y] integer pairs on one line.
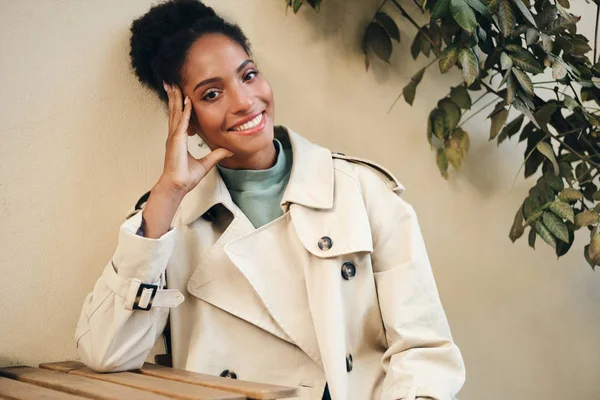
[[78, 385], [252, 390], [11, 389], [259, 391], [170, 388]]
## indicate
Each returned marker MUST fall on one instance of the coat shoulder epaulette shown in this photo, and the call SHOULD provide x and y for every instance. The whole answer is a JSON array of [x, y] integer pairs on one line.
[[139, 205], [385, 174]]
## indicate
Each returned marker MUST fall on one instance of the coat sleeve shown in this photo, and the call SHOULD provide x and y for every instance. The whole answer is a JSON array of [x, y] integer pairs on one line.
[[110, 335], [421, 360]]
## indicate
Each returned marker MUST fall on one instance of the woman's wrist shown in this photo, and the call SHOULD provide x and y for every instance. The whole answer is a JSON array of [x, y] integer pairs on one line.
[[160, 209]]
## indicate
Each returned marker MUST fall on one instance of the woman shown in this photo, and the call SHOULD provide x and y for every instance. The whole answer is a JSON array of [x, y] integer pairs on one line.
[[299, 267]]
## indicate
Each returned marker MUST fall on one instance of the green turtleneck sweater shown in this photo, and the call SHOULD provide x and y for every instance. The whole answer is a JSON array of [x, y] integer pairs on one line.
[[258, 193]]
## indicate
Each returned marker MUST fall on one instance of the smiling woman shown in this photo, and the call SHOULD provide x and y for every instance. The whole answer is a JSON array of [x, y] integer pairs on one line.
[[301, 267]]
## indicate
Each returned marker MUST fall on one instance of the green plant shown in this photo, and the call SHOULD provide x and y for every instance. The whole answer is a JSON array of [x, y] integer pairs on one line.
[[503, 44]]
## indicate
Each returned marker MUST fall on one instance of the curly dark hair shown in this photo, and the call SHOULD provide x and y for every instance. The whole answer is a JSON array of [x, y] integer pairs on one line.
[[161, 39]]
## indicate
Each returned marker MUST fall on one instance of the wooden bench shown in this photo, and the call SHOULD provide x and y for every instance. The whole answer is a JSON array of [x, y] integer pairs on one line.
[[70, 380]]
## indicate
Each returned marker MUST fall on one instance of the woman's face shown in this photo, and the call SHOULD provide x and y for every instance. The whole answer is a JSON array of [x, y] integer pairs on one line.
[[226, 90]]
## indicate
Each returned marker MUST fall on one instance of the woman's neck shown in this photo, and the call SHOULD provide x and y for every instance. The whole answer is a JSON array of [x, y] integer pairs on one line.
[[263, 159]]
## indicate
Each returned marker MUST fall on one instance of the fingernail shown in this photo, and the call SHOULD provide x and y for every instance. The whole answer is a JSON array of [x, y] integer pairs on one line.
[[187, 100], [165, 86]]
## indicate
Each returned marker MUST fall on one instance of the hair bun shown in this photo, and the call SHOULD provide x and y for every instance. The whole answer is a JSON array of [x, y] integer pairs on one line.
[[151, 30]]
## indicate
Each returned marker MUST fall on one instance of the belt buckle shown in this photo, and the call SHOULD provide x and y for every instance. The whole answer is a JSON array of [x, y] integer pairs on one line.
[[138, 296]]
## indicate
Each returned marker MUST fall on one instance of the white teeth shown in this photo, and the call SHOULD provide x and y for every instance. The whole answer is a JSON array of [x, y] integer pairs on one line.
[[250, 124]]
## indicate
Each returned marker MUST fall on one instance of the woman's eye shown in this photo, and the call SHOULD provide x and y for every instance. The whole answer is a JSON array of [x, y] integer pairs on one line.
[[210, 95], [250, 75]]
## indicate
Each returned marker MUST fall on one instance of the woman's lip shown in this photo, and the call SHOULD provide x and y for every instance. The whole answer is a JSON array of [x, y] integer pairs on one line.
[[255, 129], [248, 119]]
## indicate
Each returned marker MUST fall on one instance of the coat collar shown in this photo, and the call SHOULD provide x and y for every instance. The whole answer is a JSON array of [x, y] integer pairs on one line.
[[311, 180]]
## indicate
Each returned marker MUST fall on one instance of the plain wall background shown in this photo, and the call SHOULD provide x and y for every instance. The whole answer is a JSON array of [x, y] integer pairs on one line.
[[81, 140]]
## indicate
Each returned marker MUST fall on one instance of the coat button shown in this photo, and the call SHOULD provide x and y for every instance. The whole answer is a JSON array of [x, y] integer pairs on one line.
[[228, 374], [348, 270], [325, 243], [349, 362]]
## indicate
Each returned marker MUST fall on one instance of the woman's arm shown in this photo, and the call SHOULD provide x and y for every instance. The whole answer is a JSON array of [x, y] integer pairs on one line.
[[114, 332], [421, 360]]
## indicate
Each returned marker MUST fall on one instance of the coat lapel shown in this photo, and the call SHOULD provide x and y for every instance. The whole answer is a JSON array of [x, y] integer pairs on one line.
[[216, 279], [272, 260]]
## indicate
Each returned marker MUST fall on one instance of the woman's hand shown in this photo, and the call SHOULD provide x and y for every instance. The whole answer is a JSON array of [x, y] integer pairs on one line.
[[181, 172]]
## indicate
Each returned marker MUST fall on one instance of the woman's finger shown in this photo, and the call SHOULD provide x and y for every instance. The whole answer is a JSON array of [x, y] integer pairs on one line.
[[202, 165], [178, 104], [184, 119], [170, 103]]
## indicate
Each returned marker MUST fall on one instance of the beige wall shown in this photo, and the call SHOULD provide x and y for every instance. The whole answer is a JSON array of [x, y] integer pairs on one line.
[[81, 140]]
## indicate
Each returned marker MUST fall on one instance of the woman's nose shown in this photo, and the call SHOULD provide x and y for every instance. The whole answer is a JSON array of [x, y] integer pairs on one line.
[[242, 101]]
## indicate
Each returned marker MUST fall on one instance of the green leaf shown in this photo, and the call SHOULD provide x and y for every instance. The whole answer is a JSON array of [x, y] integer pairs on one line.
[[511, 87], [425, 43], [526, 61], [505, 61], [570, 102], [543, 115], [498, 121], [463, 139], [593, 250], [442, 162], [563, 210], [479, 7], [586, 218], [532, 36], [470, 65], [545, 233], [554, 181], [524, 80], [531, 238], [547, 43], [388, 24], [437, 123], [378, 40], [506, 17], [559, 71], [566, 171], [556, 226], [546, 150], [410, 89], [587, 256], [454, 153], [463, 15], [517, 229], [451, 113], [570, 195], [436, 35], [297, 5], [513, 127], [316, 4], [525, 11], [460, 95], [439, 9], [415, 47], [448, 58]]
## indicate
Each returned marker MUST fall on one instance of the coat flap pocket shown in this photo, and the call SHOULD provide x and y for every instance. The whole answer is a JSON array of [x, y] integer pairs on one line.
[[343, 229]]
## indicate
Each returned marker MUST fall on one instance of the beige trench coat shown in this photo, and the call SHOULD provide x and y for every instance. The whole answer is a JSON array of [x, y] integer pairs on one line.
[[338, 290]]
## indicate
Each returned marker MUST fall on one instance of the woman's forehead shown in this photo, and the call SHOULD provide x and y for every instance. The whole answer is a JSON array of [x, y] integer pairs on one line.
[[213, 56]]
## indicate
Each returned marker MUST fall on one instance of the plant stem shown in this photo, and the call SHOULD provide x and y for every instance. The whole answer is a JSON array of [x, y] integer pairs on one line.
[[412, 21], [402, 93], [477, 112], [585, 158]]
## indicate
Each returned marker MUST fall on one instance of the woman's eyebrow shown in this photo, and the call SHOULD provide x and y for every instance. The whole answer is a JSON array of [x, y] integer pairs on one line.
[[213, 80]]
